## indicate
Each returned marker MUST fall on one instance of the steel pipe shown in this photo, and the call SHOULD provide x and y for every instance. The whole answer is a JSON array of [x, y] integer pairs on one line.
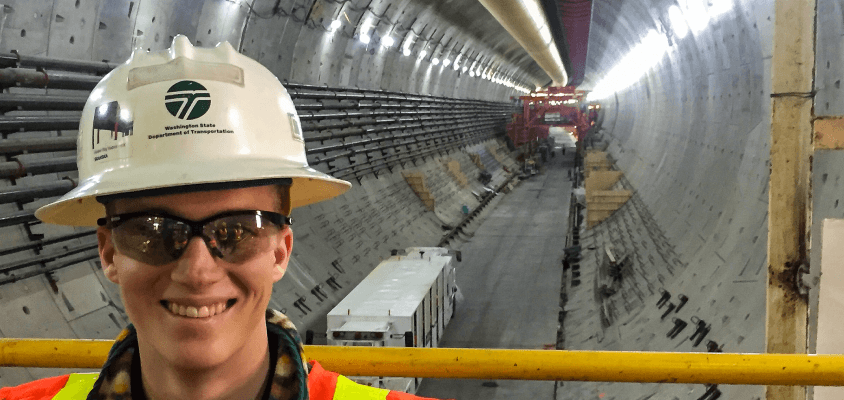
[[41, 102], [352, 152], [26, 193], [38, 145], [44, 242], [47, 257], [18, 217], [65, 263], [349, 124], [39, 123], [48, 63], [455, 125], [17, 169], [294, 87], [40, 79], [332, 98], [67, 80], [310, 116], [421, 152], [358, 106]]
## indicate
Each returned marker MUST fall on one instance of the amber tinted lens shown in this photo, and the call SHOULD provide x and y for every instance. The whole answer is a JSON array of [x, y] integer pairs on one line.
[[151, 240], [238, 238]]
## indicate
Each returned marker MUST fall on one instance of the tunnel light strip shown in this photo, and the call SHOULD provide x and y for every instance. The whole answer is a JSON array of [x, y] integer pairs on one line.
[[692, 15], [696, 14], [678, 23], [632, 67]]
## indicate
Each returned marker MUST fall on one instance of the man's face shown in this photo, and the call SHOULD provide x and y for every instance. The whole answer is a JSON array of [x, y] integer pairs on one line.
[[197, 279]]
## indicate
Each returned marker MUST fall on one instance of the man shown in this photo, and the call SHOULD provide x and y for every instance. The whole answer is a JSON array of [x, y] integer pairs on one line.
[[192, 201]]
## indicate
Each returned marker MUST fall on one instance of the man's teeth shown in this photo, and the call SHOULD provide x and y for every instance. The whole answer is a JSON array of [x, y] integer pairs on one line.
[[194, 312]]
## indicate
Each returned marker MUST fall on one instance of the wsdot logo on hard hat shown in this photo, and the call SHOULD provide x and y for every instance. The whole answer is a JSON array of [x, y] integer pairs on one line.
[[187, 100]]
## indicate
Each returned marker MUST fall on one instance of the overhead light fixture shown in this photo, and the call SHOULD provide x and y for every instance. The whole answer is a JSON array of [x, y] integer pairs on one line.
[[364, 38], [446, 62], [465, 68], [336, 24], [436, 61], [472, 74], [422, 54], [406, 52], [388, 41]]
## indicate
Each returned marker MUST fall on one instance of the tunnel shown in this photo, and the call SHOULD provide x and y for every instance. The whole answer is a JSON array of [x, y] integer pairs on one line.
[[409, 101]]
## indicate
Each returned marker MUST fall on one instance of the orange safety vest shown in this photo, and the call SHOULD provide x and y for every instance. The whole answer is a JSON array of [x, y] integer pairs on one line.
[[322, 385]]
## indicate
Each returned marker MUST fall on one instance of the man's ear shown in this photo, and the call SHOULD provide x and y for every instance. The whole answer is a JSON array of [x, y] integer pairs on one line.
[[106, 250], [282, 253]]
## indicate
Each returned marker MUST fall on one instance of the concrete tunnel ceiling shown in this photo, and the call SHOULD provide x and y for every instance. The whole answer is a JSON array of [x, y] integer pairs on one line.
[[443, 29]]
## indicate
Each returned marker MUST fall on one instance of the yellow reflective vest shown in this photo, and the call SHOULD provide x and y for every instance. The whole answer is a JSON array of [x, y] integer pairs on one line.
[[322, 385]]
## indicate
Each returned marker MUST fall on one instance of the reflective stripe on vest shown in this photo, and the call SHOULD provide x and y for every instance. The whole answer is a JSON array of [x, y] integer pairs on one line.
[[327, 385], [348, 390], [77, 387]]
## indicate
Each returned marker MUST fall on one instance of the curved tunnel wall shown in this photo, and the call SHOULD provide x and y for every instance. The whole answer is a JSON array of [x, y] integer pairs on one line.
[[692, 138], [337, 243]]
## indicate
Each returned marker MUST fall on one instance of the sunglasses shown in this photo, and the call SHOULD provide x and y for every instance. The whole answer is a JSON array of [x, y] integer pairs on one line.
[[158, 238]]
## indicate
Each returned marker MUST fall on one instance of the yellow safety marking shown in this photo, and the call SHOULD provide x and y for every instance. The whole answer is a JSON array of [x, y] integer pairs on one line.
[[348, 390], [77, 386]]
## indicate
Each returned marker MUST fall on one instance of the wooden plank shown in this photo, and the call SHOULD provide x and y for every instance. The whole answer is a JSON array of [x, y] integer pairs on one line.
[[602, 180], [789, 214], [829, 133]]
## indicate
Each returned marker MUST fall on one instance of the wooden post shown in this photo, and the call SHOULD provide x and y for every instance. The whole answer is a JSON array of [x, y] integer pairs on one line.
[[789, 207]]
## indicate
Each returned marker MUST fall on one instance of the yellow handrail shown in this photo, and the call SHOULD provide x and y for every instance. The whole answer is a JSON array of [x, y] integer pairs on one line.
[[562, 365]]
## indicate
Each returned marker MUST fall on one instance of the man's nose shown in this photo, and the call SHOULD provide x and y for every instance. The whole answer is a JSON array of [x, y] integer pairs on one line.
[[197, 265]]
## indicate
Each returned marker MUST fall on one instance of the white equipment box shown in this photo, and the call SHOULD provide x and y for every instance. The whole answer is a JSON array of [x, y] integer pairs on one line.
[[406, 301]]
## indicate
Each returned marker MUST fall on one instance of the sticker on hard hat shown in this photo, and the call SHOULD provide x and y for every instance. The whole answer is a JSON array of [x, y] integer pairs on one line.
[[111, 126], [187, 100], [189, 129]]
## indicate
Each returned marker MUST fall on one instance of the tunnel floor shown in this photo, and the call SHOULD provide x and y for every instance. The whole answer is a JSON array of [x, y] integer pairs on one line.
[[510, 280]]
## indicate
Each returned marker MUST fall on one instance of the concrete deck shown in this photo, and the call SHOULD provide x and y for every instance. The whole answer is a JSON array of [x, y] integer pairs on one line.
[[510, 280]]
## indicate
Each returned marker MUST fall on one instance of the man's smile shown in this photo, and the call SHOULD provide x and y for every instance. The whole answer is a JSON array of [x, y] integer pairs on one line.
[[198, 311]]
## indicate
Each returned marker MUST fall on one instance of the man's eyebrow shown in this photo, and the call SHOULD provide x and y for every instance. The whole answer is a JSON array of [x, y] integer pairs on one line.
[[155, 210]]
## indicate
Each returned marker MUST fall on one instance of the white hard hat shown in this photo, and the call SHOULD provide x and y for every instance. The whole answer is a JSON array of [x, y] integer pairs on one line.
[[187, 117]]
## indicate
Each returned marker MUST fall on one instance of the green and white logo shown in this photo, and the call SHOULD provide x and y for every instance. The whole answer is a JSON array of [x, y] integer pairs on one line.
[[187, 100]]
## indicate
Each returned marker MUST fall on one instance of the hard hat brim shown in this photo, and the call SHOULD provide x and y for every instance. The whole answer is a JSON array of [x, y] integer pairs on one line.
[[80, 207]]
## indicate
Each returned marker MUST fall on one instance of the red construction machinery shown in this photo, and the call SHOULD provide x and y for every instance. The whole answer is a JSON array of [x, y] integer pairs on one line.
[[563, 107]]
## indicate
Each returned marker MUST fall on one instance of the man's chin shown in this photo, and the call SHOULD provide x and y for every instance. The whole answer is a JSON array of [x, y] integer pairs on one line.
[[197, 355]]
